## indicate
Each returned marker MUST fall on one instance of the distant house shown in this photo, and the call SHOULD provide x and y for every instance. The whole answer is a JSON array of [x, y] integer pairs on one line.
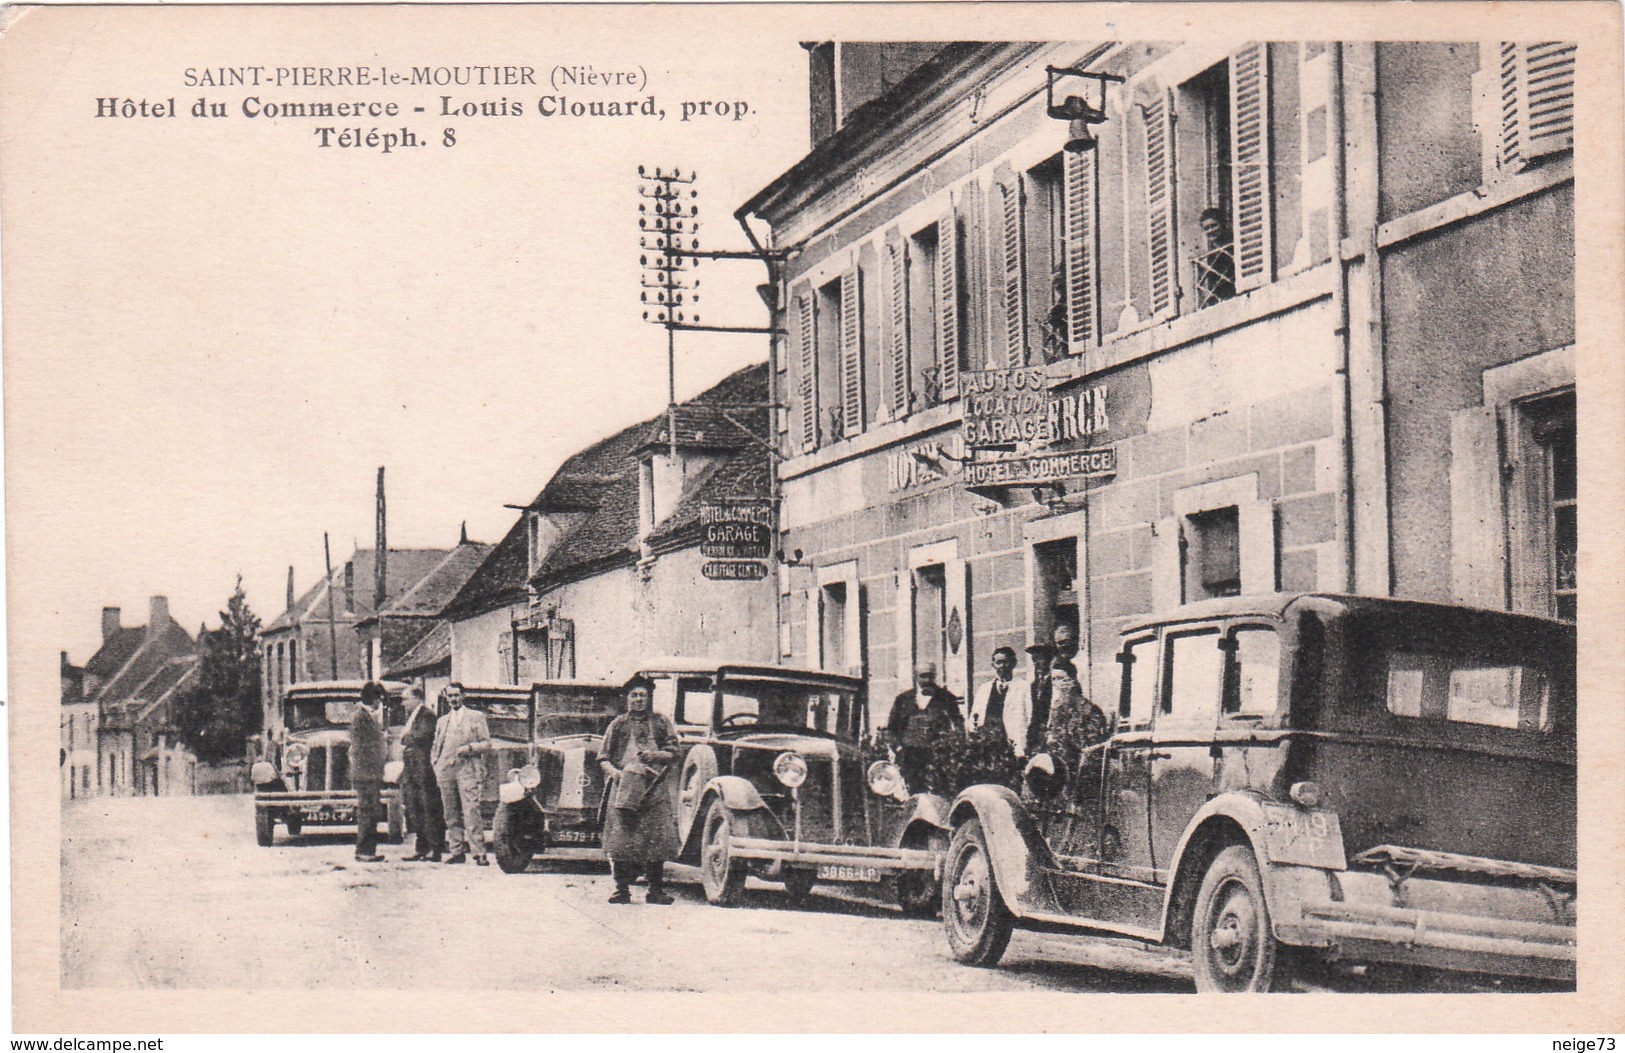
[[603, 568], [410, 638], [333, 631], [116, 736]]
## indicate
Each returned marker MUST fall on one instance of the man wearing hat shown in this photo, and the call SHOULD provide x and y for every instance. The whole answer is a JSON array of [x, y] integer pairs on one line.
[[367, 755], [1039, 692]]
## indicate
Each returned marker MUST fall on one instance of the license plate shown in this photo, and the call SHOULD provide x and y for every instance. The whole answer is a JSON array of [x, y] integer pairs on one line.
[[1302, 837], [323, 813], [842, 872], [575, 837]]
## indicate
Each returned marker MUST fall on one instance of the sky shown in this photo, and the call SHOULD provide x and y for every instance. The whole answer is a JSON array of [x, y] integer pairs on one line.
[[217, 330]]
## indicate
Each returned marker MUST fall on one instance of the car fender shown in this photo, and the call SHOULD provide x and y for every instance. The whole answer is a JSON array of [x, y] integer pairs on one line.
[[1225, 819], [739, 794], [928, 814], [739, 797], [1016, 848]]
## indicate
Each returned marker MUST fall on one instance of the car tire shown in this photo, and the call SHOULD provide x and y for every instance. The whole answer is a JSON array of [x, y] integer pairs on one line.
[[1233, 947], [264, 827], [798, 886], [918, 893], [722, 876], [512, 852], [974, 916]]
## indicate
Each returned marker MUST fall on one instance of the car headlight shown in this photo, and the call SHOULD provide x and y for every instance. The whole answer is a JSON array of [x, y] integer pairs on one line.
[[790, 769], [393, 771], [295, 756], [885, 778], [530, 776], [510, 793], [262, 773]]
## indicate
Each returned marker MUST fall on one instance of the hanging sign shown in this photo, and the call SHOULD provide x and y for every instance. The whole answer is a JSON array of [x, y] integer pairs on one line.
[[1041, 469]]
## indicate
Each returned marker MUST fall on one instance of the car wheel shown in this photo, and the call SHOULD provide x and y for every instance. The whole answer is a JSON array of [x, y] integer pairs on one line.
[[722, 875], [973, 911], [512, 851], [294, 826], [918, 892], [798, 886], [264, 827], [1232, 945]]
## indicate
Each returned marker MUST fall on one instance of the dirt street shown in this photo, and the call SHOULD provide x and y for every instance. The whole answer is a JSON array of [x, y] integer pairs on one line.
[[174, 893]]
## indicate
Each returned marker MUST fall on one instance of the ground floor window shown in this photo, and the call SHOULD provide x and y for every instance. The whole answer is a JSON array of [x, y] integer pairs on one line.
[[832, 627], [1548, 424], [1055, 586], [930, 615], [1213, 554]]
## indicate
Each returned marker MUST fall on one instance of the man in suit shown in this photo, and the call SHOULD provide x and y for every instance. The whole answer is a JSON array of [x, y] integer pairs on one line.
[[1040, 691], [368, 752], [420, 793], [918, 718], [1004, 703], [460, 740]]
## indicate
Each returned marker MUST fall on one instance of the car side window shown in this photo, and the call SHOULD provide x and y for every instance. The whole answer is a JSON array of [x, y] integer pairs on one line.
[[1192, 678], [1253, 673], [1137, 701], [664, 699], [695, 696]]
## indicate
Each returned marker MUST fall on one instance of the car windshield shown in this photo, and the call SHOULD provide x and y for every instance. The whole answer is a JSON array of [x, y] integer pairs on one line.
[[304, 714], [788, 704], [1456, 688], [554, 725]]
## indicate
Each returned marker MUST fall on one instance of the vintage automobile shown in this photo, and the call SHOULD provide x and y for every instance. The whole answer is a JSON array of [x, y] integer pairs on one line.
[[313, 786], [773, 783], [552, 791], [1303, 783]]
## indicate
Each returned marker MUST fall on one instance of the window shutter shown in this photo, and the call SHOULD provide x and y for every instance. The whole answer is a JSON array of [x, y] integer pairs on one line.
[[807, 353], [851, 355], [1082, 319], [897, 322], [1250, 165], [948, 307], [1156, 121], [1538, 113], [1010, 261]]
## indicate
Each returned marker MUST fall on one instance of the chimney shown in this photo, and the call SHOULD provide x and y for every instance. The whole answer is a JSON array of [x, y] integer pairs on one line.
[[110, 622], [349, 585], [290, 590], [380, 569], [157, 614]]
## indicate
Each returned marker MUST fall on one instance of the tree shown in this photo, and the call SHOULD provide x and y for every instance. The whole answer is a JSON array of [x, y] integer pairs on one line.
[[217, 713]]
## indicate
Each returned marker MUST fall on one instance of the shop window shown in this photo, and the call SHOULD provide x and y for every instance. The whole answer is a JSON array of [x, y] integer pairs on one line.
[[1055, 564], [1213, 554], [931, 617]]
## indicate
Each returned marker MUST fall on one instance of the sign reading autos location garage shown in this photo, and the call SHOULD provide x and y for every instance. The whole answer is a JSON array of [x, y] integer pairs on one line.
[[738, 535]]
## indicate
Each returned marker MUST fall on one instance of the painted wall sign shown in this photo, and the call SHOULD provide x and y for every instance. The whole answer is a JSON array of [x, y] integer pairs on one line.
[[1005, 406], [904, 470], [734, 570], [1039, 469], [737, 530]]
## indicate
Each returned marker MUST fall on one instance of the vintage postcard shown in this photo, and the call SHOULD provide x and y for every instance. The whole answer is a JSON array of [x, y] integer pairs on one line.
[[814, 517]]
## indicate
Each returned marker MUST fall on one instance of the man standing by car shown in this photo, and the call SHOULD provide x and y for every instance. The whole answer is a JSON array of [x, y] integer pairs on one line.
[[918, 718], [1039, 691], [420, 794], [1002, 704], [461, 739], [367, 755]]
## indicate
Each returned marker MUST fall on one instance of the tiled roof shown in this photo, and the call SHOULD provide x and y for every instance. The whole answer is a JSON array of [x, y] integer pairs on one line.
[[745, 473], [608, 535], [431, 650], [154, 651], [176, 675], [500, 579], [115, 651], [407, 566], [440, 586]]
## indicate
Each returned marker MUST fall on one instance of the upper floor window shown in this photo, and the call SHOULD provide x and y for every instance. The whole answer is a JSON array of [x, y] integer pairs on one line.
[[829, 361], [1526, 103]]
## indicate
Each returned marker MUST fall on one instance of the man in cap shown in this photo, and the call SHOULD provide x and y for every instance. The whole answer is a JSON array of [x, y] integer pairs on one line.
[[368, 752], [1039, 693]]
